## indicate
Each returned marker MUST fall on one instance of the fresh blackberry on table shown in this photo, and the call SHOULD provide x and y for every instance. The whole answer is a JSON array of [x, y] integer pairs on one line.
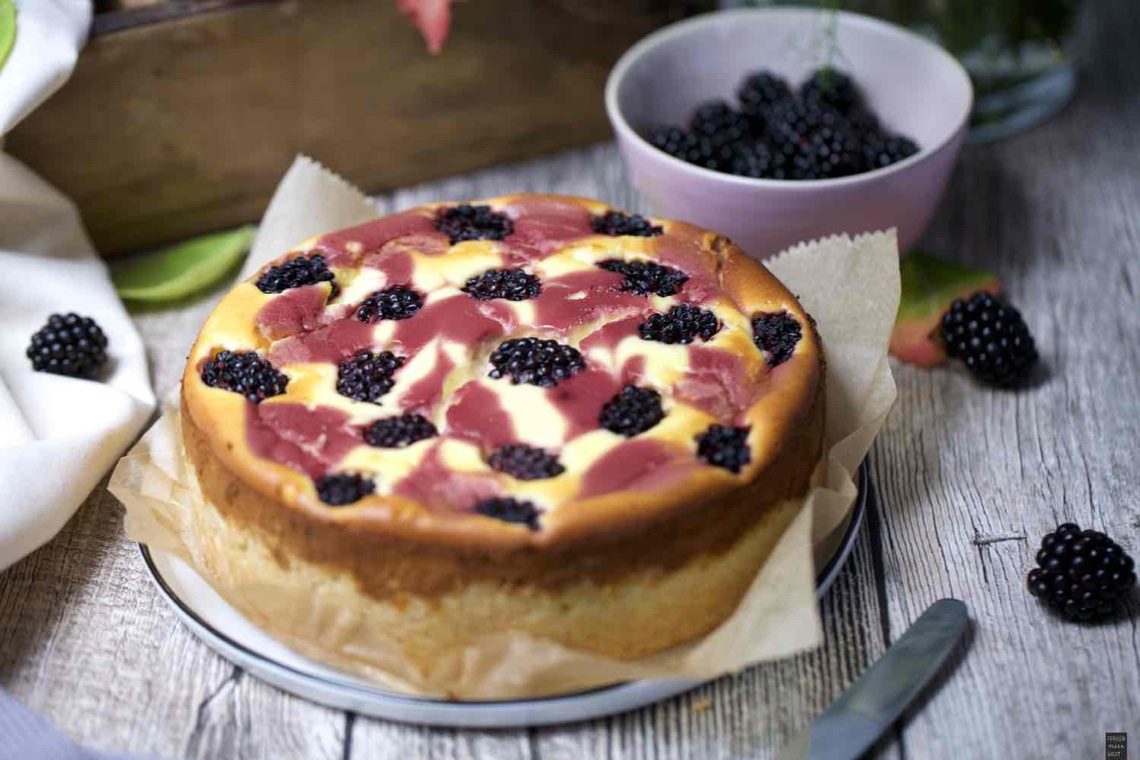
[[473, 222], [525, 462], [884, 150], [535, 361], [244, 372], [399, 431], [511, 284], [991, 338], [720, 123], [366, 376], [70, 345], [831, 88], [617, 223], [725, 447], [681, 324], [776, 335], [762, 90], [343, 488], [294, 273], [632, 411], [509, 509], [396, 302], [1082, 574], [646, 277]]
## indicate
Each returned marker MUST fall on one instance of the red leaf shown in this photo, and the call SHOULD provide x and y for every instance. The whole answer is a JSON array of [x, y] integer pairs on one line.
[[431, 17]]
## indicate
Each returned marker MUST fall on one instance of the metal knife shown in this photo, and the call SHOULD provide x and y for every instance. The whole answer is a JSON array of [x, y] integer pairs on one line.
[[852, 723]]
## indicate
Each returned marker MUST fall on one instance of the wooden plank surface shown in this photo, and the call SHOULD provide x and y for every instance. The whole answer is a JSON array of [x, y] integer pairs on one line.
[[85, 639]]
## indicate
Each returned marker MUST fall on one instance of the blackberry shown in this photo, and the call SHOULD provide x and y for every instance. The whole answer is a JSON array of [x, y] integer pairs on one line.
[[682, 324], [302, 270], [400, 431], [467, 222], [366, 376], [396, 302], [761, 90], [693, 149], [536, 361], [510, 510], [616, 223], [511, 284], [525, 462], [757, 160], [244, 372], [721, 124], [884, 150], [991, 338], [831, 88], [343, 488], [645, 277], [725, 447], [70, 345], [634, 410], [671, 140], [816, 143], [776, 335], [1082, 574]]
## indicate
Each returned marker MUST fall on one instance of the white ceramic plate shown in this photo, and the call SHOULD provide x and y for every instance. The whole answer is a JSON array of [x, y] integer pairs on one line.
[[236, 639]]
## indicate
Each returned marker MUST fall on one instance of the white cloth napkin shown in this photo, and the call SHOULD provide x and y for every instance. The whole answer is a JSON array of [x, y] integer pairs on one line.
[[58, 435]]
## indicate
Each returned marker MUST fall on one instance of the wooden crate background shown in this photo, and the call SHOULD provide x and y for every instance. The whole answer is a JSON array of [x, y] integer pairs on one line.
[[180, 118]]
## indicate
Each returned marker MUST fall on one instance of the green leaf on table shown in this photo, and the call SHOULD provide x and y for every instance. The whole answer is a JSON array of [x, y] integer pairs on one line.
[[7, 29], [184, 268], [929, 286]]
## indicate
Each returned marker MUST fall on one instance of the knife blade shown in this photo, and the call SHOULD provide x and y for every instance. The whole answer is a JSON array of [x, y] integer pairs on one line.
[[854, 721]]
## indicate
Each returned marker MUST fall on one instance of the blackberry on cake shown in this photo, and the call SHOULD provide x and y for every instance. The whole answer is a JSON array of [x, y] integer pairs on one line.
[[396, 302], [645, 278], [1083, 575], [632, 411], [70, 345], [366, 376], [343, 488], [525, 462], [991, 338], [725, 447], [245, 373], [615, 223], [536, 361], [399, 431], [776, 335], [510, 284], [509, 509], [473, 222], [295, 273], [681, 324]]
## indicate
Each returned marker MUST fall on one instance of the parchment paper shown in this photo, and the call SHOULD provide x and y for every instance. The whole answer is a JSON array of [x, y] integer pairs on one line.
[[850, 286]]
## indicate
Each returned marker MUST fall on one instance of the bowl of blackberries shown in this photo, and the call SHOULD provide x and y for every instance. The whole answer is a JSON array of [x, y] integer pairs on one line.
[[780, 125]]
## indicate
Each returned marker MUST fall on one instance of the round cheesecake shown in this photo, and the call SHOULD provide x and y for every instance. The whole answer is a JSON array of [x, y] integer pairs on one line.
[[532, 413]]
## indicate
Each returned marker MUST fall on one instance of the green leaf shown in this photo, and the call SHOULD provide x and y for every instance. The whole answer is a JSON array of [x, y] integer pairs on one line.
[[7, 29], [182, 269]]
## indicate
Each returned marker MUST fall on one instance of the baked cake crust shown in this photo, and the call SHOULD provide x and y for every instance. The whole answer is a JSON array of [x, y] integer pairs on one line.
[[668, 551]]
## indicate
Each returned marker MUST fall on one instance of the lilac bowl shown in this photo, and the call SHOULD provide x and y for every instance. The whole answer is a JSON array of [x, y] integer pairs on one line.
[[915, 87]]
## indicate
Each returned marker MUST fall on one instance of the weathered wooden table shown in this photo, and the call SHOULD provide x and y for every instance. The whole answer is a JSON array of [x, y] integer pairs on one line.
[[968, 479]]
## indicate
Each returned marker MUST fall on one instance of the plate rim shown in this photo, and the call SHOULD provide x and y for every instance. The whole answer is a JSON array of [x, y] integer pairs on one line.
[[279, 674]]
